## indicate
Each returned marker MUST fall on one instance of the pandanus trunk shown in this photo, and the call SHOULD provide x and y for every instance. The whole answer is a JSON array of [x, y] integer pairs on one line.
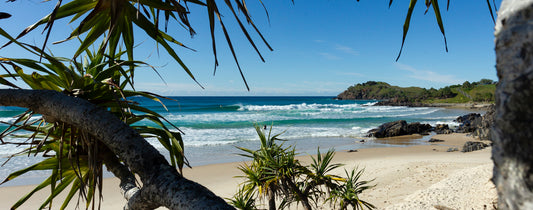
[[513, 134], [271, 200]]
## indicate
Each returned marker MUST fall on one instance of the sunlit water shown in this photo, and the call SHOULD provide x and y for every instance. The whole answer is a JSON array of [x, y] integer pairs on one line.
[[215, 126]]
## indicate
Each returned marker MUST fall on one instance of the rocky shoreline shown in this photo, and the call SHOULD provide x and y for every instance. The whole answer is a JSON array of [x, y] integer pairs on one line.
[[474, 124], [472, 105]]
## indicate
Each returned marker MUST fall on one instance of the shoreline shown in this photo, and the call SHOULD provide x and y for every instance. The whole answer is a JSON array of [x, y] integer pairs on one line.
[[401, 174], [480, 106], [466, 106]]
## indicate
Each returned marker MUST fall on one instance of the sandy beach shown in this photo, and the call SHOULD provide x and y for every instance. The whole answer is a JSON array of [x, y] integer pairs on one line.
[[415, 177]]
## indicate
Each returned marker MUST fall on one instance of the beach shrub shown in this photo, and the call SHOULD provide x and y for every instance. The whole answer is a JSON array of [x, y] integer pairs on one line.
[[348, 194], [275, 174], [244, 199]]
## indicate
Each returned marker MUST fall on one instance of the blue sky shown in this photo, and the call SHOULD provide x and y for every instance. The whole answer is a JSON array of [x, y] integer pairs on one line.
[[321, 47]]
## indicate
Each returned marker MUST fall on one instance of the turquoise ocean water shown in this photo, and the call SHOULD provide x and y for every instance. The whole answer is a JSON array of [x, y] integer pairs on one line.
[[214, 126]]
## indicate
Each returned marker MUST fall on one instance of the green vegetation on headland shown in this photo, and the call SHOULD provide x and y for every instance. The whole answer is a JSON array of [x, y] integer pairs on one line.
[[481, 91]]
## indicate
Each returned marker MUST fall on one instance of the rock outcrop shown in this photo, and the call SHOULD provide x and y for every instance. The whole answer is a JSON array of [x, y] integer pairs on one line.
[[470, 146], [399, 128], [484, 129], [480, 126], [474, 123], [469, 123], [443, 129]]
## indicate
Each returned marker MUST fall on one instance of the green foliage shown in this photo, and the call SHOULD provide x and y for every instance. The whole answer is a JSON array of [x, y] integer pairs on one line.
[[348, 194], [101, 77], [74, 156], [244, 199], [483, 92], [275, 173]]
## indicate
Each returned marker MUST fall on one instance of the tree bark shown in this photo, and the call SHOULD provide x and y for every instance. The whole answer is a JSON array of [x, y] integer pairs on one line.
[[271, 200], [162, 184], [304, 198], [513, 134]]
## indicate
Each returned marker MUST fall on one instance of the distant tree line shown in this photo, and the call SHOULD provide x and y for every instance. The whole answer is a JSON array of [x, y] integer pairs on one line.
[[481, 91]]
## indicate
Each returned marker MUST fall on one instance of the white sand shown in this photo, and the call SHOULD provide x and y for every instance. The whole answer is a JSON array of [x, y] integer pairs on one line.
[[417, 177]]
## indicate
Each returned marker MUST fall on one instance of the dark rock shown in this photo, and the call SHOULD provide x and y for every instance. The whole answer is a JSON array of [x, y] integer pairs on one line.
[[477, 125], [473, 146], [389, 129], [484, 130], [443, 129], [416, 127], [469, 123], [435, 140], [467, 117], [452, 149], [398, 128], [353, 150]]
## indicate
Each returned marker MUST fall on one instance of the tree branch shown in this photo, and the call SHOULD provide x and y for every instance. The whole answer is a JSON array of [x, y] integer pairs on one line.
[[162, 184], [128, 188]]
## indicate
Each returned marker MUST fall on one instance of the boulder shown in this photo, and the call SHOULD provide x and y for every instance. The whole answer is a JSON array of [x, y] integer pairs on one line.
[[484, 129], [398, 128], [469, 123], [416, 127], [389, 129], [443, 129], [480, 126], [467, 117], [470, 146]]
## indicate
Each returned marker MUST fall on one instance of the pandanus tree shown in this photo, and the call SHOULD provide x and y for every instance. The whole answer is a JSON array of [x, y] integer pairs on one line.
[[86, 119], [274, 173]]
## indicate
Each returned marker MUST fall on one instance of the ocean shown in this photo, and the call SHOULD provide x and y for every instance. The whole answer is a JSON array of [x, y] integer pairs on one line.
[[214, 126]]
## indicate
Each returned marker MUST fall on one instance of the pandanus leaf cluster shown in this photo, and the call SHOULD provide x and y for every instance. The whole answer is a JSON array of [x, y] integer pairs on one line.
[[115, 22], [75, 157], [434, 4]]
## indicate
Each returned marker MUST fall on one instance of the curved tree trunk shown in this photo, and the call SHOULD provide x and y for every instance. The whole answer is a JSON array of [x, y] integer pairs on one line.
[[162, 184], [513, 140]]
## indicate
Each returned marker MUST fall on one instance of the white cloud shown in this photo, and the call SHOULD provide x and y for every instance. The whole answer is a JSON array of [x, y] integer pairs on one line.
[[430, 76], [329, 56], [346, 49], [336, 50]]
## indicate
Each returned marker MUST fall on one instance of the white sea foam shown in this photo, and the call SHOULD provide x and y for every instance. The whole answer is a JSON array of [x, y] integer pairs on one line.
[[222, 117], [449, 123], [361, 131], [302, 106], [203, 137]]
